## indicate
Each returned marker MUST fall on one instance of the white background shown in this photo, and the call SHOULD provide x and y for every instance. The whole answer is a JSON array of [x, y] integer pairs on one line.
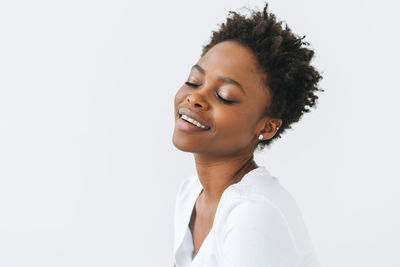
[[88, 171]]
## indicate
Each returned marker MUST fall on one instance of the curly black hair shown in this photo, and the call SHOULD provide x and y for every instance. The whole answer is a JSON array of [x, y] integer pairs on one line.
[[283, 56]]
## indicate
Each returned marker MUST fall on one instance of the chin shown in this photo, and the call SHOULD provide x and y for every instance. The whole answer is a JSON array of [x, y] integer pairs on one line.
[[182, 144]]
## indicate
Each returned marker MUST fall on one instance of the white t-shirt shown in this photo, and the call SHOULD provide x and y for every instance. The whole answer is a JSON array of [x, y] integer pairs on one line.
[[257, 224]]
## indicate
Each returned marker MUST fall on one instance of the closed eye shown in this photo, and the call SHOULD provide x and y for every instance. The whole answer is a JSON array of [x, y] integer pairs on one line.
[[191, 84], [223, 100], [229, 102]]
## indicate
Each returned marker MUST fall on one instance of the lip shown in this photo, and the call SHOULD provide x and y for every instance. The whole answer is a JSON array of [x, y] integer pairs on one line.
[[193, 115]]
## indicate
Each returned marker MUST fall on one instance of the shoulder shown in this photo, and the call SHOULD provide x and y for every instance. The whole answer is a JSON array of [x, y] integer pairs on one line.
[[186, 193], [256, 233], [262, 195], [185, 187], [183, 207], [259, 194], [255, 215], [259, 220]]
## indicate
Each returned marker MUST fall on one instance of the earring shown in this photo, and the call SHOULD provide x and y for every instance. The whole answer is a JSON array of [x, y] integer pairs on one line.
[[260, 137]]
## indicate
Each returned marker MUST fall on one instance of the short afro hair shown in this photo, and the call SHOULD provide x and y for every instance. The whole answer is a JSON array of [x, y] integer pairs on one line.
[[283, 56]]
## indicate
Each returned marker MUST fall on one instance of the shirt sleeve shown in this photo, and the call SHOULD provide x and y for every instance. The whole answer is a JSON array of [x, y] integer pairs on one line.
[[257, 235]]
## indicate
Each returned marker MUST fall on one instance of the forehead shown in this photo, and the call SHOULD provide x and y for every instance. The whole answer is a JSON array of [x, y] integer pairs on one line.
[[233, 60]]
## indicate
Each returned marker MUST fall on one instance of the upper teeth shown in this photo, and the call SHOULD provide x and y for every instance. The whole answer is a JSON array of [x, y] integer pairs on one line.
[[198, 124]]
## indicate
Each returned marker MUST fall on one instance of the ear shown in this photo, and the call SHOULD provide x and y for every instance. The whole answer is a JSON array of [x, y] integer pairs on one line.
[[269, 127]]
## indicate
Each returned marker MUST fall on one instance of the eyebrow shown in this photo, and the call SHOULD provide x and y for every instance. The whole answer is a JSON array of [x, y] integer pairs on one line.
[[222, 79]]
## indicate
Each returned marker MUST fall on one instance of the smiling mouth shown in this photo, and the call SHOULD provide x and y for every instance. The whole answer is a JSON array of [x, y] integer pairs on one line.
[[193, 121]]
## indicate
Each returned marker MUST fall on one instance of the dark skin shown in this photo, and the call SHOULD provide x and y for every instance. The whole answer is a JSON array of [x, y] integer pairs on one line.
[[224, 153]]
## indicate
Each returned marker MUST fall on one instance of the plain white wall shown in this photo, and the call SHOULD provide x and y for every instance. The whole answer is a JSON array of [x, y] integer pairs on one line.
[[88, 172]]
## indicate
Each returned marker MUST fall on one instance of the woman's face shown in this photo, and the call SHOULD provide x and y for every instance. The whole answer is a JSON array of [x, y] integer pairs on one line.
[[227, 72]]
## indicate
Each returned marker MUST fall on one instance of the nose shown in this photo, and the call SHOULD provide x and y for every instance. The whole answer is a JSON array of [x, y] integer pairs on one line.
[[197, 100]]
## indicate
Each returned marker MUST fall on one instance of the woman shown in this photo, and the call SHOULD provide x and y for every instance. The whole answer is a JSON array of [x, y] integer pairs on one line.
[[253, 80]]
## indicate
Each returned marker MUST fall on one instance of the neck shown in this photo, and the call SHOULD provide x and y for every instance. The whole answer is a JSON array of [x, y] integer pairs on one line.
[[216, 175]]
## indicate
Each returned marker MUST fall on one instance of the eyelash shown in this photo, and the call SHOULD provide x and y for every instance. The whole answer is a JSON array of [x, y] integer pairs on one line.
[[228, 102]]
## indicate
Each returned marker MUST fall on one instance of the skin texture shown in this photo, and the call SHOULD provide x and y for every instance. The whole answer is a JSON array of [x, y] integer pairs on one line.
[[224, 153]]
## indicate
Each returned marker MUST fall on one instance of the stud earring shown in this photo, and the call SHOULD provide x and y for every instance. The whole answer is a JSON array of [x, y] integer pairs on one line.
[[260, 137]]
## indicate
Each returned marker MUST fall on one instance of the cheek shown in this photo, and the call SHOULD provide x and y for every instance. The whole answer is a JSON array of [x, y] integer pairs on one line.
[[236, 121], [179, 96]]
